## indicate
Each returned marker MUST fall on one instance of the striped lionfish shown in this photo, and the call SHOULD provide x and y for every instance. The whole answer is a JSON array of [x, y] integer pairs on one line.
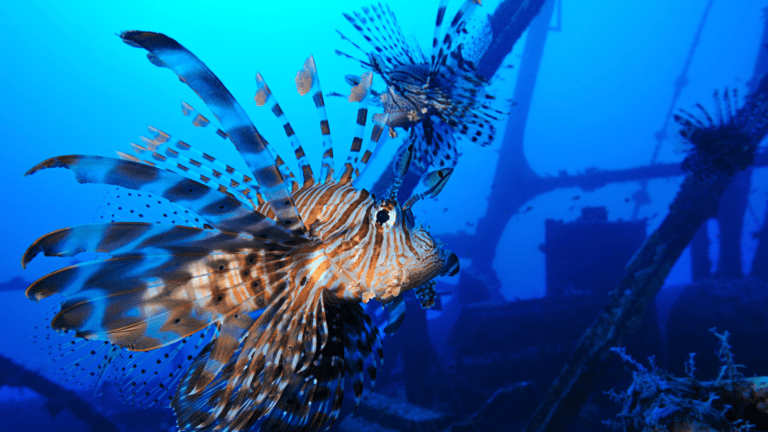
[[436, 98], [278, 267]]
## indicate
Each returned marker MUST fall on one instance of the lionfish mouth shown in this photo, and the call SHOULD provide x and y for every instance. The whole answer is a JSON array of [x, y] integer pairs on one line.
[[438, 263]]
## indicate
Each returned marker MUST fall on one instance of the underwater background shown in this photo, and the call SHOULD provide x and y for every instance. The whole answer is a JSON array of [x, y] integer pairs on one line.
[[592, 165]]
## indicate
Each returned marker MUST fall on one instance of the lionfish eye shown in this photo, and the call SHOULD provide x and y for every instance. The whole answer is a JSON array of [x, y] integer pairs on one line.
[[382, 217], [385, 216]]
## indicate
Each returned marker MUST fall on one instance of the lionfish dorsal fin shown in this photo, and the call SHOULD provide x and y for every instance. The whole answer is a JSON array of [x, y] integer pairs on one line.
[[166, 52], [360, 93], [436, 45], [379, 26], [442, 49], [177, 156], [307, 81], [264, 97]]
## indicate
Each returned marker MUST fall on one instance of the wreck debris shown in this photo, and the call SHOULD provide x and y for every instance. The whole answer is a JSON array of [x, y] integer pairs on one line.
[[719, 150], [14, 375]]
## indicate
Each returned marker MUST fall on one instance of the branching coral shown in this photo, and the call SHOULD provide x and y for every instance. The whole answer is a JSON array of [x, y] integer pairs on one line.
[[658, 401]]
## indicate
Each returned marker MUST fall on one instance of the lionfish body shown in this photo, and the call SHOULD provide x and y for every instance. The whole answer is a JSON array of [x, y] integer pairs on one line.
[[436, 98], [278, 266]]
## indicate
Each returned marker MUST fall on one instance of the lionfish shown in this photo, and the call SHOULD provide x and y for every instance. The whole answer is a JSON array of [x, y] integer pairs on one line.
[[271, 276], [726, 143], [435, 98]]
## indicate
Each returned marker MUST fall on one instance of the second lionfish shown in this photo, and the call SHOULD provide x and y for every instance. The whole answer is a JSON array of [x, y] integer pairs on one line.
[[436, 98], [278, 266]]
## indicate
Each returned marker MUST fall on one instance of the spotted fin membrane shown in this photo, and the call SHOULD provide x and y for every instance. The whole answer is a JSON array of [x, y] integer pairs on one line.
[[139, 378]]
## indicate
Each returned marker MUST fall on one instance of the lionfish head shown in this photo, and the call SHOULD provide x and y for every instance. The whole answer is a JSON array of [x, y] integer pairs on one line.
[[394, 255]]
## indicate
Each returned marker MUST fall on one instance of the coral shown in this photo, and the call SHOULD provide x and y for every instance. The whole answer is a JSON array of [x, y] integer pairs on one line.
[[659, 401]]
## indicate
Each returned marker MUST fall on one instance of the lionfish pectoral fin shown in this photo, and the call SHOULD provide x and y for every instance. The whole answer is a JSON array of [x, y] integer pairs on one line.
[[313, 398], [434, 145], [158, 299], [251, 375], [149, 378], [165, 152], [363, 352], [288, 372], [231, 333]]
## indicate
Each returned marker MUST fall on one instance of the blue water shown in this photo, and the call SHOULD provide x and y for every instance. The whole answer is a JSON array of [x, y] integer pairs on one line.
[[602, 93]]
